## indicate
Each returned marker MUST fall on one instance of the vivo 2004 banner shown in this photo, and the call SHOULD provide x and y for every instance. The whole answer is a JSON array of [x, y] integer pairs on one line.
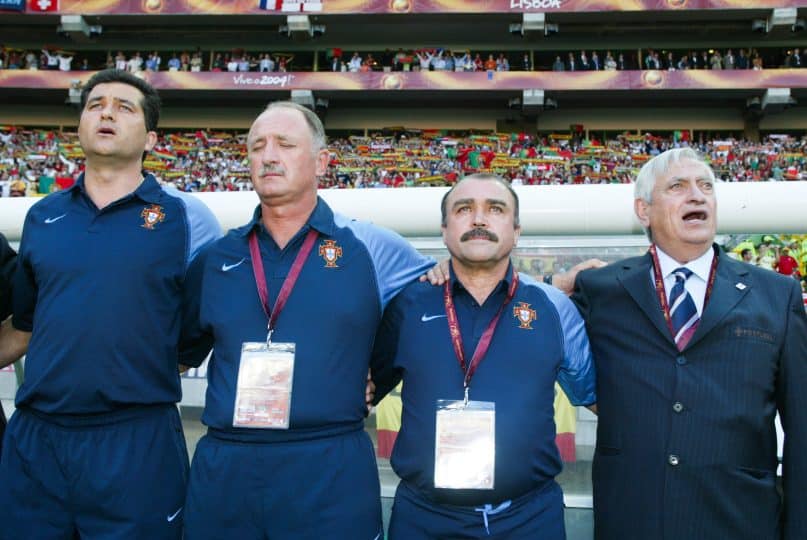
[[233, 7], [432, 80]]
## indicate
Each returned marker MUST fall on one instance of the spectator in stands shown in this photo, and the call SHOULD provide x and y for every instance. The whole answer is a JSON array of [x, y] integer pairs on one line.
[[135, 63], [786, 264], [716, 61], [51, 59], [728, 60], [502, 63], [557, 65], [120, 61], [174, 63], [196, 62], [669, 62], [354, 64], [583, 62], [526, 64], [218, 63], [622, 63], [184, 61], [747, 256], [594, 64], [571, 63], [794, 59], [609, 64], [704, 62], [267, 63], [232, 64], [65, 61], [766, 257], [17, 189], [151, 62], [742, 60]]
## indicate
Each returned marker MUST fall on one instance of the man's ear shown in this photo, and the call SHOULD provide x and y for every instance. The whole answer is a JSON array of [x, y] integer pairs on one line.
[[642, 207]]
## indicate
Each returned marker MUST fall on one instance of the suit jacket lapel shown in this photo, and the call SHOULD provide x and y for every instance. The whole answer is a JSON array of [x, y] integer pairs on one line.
[[638, 284], [725, 295]]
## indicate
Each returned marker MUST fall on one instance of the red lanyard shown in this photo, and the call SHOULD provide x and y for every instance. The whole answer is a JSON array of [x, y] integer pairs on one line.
[[658, 281], [288, 283], [484, 341]]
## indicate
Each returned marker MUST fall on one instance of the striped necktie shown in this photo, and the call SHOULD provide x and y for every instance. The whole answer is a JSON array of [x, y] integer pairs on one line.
[[683, 313]]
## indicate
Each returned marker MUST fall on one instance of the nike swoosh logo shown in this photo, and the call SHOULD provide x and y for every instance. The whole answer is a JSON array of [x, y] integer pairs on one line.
[[174, 515], [54, 219], [228, 267], [427, 318]]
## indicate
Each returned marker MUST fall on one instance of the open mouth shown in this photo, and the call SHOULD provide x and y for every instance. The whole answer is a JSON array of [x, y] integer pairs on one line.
[[106, 131], [695, 216]]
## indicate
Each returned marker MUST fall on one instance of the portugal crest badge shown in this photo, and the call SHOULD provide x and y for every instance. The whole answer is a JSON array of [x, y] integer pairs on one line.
[[152, 215], [524, 314], [330, 251]]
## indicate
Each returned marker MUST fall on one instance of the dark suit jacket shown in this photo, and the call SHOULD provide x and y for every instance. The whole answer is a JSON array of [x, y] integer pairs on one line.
[[686, 445]]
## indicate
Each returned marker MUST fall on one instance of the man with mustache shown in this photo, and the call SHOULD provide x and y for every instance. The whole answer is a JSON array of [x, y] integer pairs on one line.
[[290, 303], [696, 352], [479, 358], [95, 449]]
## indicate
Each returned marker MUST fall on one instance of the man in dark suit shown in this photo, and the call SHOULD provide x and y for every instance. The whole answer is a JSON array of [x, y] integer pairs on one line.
[[8, 258], [695, 354]]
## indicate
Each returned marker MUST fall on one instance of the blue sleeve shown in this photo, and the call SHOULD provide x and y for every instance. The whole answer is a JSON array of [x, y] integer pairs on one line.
[[395, 261], [203, 228], [385, 349], [194, 342], [577, 373], [24, 287]]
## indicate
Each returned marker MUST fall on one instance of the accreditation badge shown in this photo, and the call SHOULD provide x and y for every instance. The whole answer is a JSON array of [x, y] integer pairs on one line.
[[465, 444], [263, 392]]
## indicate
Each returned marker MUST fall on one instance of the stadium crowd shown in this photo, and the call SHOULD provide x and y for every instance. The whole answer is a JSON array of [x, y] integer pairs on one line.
[[423, 59], [38, 161]]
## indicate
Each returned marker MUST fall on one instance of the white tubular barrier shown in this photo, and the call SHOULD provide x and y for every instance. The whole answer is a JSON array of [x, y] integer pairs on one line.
[[752, 207]]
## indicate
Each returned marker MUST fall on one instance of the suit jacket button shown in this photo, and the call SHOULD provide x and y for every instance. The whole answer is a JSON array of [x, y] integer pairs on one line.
[[678, 406], [680, 360], [673, 460]]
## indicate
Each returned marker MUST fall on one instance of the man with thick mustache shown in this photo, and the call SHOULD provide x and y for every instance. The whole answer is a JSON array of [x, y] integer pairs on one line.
[[290, 303], [479, 358], [695, 352]]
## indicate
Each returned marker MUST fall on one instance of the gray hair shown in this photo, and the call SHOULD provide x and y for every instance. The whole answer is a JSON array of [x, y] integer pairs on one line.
[[318, 141], [659, 165]]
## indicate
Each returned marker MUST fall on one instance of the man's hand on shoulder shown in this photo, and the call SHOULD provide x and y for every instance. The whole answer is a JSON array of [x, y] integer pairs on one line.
[[438, 274], [565, 281]]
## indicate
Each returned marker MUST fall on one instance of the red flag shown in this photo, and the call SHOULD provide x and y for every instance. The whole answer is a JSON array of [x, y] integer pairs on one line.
[[43, 5]]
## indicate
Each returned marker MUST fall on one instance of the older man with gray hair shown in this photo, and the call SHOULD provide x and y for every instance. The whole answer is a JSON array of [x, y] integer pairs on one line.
[[695, 354]]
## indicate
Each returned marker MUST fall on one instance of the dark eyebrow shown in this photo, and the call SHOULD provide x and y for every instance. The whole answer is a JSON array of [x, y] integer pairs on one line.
[[460, 202], [119, 100], [498, 202]]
